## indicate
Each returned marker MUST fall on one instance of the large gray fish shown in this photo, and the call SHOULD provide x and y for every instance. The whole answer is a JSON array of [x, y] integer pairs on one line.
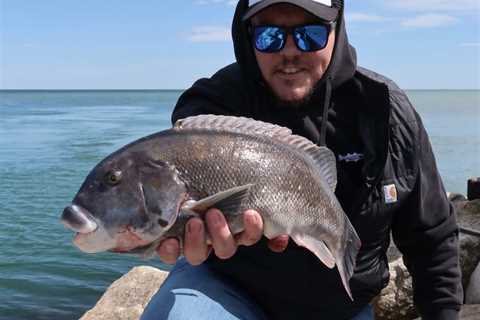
[[147, 190]]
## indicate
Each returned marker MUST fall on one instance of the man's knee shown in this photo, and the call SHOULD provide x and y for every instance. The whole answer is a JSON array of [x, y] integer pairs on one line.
[[197, 293]]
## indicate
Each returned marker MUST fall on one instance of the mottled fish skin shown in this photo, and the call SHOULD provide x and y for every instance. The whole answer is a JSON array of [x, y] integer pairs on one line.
[[292, 184]]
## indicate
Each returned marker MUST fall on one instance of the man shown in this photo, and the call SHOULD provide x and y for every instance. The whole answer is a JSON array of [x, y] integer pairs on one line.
[[296, 68]]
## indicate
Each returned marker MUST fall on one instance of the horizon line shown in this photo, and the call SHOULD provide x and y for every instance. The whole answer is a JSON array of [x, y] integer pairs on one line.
[[408, 89]]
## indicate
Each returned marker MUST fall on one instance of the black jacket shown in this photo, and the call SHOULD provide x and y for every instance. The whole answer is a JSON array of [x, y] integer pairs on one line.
[[368, 116]]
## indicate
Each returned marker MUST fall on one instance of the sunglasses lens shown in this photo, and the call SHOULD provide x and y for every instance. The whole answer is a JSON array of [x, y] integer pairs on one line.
[[311, 38], [269, 39]]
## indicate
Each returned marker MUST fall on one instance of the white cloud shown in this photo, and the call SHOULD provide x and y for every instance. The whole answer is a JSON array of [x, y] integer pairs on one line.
[[363, 17], [436, 5], [429, 21], [209, 34]]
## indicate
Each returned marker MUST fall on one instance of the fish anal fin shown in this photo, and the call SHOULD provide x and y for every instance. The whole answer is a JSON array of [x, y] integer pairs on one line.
[[345, 264], [316, 246]]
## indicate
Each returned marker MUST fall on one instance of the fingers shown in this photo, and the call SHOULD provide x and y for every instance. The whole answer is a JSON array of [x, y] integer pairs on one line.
[[169, 250], [223, 242], [253, 228], [278, 244], [195, 248]]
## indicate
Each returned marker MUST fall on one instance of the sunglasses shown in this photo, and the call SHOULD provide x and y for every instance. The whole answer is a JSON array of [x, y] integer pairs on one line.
[[307, 38]]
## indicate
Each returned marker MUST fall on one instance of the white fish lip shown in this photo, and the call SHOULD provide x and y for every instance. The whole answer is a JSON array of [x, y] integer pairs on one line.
[[78, 219], [91, 236], [95, 241]]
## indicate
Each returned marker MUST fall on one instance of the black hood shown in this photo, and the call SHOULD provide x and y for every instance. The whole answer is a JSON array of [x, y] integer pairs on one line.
[[341, 68]]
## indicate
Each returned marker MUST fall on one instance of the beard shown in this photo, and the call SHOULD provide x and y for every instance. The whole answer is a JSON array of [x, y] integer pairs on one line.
[[294, 104], [297, 103]]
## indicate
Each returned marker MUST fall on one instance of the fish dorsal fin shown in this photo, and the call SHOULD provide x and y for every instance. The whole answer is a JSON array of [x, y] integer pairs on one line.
[[323, 158], [232, 124]]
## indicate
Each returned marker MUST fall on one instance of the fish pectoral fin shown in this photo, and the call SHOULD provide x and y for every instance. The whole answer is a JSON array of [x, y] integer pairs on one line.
[[316, 246], [177, 230], [229, 201]]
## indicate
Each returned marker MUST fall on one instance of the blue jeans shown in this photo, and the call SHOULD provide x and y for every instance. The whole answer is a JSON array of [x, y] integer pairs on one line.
[[197, 293]]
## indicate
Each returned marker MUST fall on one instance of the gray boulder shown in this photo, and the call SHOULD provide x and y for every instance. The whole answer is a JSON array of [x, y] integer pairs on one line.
[[469, 217], [468, 312], [128, 296], [456, 197], [395, 301], [472, 295]]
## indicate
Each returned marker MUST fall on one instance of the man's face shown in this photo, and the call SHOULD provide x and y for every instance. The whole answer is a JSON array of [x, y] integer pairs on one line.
[[291, 73]]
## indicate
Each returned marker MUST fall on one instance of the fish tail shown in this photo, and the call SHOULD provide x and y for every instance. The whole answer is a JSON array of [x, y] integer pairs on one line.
[[346, 263]]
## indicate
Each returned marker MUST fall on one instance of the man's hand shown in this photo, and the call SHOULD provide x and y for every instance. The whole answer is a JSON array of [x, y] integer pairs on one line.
[[224, 244]]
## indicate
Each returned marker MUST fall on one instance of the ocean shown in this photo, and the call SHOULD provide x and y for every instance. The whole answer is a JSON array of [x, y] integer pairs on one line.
[[49, 141]]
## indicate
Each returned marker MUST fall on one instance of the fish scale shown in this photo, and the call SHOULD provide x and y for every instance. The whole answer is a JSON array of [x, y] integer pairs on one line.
[[278, 180]]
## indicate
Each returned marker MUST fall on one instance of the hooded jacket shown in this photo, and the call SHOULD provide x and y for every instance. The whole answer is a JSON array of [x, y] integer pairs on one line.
[[388, 184]]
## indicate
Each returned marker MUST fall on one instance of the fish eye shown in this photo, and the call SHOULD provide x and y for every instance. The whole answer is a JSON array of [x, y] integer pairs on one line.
[[113, 177]]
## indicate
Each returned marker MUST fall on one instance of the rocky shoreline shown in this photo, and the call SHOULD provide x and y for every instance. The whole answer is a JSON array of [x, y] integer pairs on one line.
[[126, 298], [396, 301]]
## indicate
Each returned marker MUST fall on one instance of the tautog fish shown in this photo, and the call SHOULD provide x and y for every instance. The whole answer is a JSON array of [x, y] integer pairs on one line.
[[147, 190]]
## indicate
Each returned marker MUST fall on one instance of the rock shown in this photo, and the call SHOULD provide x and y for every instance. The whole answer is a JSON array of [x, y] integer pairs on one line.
[[126, 298], [456, 197], [396, 300], [469, 216], [472, 295], [393, 253], [468, 312]]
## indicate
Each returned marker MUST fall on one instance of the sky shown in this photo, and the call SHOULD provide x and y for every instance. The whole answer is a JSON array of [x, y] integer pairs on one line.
[[168, 44]]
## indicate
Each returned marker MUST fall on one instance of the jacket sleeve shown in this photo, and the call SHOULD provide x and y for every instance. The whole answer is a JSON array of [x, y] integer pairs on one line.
[[221, 94], [426, 232]]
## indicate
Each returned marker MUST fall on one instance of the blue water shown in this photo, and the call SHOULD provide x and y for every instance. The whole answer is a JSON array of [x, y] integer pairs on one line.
[[50, 140]]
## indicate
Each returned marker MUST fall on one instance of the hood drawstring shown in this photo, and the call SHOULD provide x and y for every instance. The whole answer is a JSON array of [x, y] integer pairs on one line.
[[326, 107]]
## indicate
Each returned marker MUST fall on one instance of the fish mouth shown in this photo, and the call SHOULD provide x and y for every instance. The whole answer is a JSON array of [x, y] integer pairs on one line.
[[78, 219], [91, 236]]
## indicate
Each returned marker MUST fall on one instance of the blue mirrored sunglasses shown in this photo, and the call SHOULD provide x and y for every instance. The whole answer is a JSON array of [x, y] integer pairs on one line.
[[307, 38]]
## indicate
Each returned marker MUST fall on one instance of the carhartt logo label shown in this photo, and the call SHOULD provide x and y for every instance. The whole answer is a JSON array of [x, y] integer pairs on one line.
[[350, 157], [390, 192]]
